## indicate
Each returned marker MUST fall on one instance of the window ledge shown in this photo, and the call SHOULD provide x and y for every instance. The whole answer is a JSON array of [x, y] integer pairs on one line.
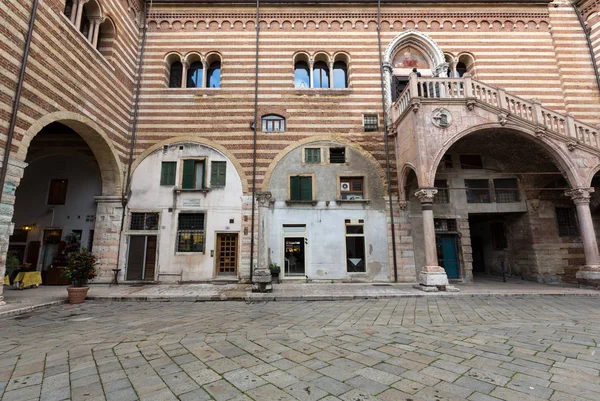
[[291, 202], [180, 190], [189, 253], [353, 201], [323, 91]]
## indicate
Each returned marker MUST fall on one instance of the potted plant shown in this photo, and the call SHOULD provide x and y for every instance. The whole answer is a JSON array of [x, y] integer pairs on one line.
[[275, 270], [81, 267]]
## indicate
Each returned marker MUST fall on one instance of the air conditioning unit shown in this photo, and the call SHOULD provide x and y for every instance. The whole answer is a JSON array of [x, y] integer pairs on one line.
[[345, 186]]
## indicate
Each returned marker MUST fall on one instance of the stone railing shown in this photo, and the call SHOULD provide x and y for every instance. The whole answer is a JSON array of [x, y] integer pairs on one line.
[[528, 110]]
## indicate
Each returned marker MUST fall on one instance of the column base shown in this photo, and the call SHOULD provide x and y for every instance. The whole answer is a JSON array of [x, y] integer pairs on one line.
[[589, 275], [433, 276], [261, 280]]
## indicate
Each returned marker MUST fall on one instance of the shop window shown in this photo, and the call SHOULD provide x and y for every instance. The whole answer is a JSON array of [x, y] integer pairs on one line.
[[478, 191], [312, 155], [506, 190], [192, 176], [58, 192], [498, 236], [167, 173], [194, 75], [442, 195], [471, 162], [144, 221], [355, 248], [566, 219], [337, 155], [351, 188], [190, 232], [218, 173], [340, 75], [371, 123], [301, 188], [273, 123], [175, 74]]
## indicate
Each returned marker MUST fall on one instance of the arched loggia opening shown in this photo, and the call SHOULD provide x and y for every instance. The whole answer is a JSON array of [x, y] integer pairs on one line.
[[501, 210], [70, 187]]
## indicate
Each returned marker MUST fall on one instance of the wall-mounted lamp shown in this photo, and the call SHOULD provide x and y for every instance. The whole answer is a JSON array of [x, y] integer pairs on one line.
[[28, 227]]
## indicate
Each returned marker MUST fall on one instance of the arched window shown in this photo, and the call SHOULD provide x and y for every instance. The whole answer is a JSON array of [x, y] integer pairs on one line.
[[85, 26], [194, 75], [69, 9], [273, 123], [321, 75], [301, 75], [105, 38], [175, 74], [213, 77], [340, 75], [461, 69]]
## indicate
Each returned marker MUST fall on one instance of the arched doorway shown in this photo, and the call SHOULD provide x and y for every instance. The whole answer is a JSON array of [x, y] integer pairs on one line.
[[500, 209], [70, 186]]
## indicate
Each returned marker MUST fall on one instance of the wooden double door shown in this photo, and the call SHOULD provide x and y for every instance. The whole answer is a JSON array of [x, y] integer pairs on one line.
[[227, 254], [141, 259]]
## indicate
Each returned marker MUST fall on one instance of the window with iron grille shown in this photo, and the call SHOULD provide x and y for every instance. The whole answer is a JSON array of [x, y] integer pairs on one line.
[[190, 232], [312, 155], [144, 221], [445, 225], [273, 123], [371, 123], [507, 190], [566, 219], [442, 195], [471, 162], [478, 191], [337, 155], [351, 188]]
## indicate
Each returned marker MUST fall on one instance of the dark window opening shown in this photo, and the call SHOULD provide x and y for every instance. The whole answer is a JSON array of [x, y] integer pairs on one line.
[[371, 123], [194, 75], [213, 76], [442, 195], [566, 219], [461, 69], [144, 221], [447, 160], [175, 74], [68, 8], [337, 155], [190, 232], [445, 225], [507, 190], [472, 162], [478, 191], [398, 86], [58, 192], [355, 249]]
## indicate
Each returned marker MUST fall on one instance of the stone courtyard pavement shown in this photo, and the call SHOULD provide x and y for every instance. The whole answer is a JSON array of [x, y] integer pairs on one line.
[[453, 348]]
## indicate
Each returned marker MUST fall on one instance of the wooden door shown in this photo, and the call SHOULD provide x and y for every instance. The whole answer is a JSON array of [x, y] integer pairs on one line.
[[227, 253], [141, 260]]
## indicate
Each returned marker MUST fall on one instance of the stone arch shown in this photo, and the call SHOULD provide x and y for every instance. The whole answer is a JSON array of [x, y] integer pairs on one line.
[[200, 141], [424, 43], [94, 135], [323, 138], [588, 181], [402, 178], [563, 162]]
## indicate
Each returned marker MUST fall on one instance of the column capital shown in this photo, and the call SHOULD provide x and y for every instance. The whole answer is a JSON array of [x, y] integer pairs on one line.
[[580, 195], [264, 199], [387, 67], [426, 195]]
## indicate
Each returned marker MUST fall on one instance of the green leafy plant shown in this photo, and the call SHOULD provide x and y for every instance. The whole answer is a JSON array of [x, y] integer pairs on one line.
[[12, 261], [72, 243], [274, 267], [81, 267]]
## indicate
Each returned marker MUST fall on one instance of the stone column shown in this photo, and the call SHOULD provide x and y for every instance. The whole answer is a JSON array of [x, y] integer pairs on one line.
[[92, 32], [581, 198], [387, 82], [184, 70], [431, 274], [311, 62], [80, 4], [331, 74], [262, 275], [204, 73], [74, 11], [107, 234], [96, 24], [7, 207]]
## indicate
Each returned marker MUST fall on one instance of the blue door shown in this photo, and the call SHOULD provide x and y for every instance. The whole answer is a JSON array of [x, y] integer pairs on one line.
[[448, 254]]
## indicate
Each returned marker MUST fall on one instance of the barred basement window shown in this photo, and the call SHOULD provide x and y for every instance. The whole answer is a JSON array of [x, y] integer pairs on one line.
[[190, 232], [337, 155], [371, 123], [478, 191], [506, 190], [566, 219], [442, 195], [144, 221], [445, 225]]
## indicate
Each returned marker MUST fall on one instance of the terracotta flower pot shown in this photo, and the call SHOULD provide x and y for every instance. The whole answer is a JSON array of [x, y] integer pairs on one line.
[[77, 294]]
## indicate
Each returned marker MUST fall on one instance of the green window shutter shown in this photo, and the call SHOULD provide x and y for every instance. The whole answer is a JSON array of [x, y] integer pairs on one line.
[[295, 188], [306, 188], [188, 178], [167, 173], [317, 156], [308, 156], [218, 174]]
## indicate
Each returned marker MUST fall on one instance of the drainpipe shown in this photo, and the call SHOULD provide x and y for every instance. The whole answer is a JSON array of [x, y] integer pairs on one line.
[[15, 110], [254, 125], [127, 189], [586, 31], [387, 146]]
